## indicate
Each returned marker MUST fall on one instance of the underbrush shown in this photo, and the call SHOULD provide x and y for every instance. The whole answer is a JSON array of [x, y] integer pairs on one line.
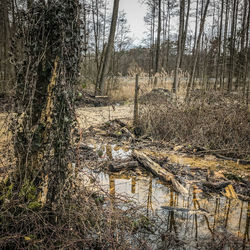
[[212, 121], [90, 221], [85, 221]]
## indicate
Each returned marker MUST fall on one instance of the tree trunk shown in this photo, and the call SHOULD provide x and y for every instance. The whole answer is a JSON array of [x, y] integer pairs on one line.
[[232, 48], [179, 47], [219, 46], [5, 69], [203, 19], [158, 43], [44, 100], [106, 63], [185, 32], [246, 80], [225, 47]]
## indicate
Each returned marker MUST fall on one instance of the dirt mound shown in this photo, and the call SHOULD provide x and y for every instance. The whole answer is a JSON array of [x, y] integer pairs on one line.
[[159, 95]]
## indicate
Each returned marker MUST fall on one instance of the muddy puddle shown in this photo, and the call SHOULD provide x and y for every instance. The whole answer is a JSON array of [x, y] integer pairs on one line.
[[193, 216]]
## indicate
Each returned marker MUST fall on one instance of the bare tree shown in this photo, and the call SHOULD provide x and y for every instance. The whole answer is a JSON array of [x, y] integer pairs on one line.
[[232, 47], [179, 47], [5, 45], [106, 62], [158, 43], [202, 23]]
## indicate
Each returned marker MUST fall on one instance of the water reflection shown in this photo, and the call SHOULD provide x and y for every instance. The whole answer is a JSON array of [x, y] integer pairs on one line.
[[246, 234], [191, 216]]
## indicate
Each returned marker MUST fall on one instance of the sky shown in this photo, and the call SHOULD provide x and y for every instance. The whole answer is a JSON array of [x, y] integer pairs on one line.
[[135, 13]]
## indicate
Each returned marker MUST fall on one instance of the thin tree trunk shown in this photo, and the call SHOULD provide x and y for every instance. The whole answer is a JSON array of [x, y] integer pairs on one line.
[[225, 46], [185, 32], [168, 45], [106, 63], [179, 47], [158, 43], [196, 24], [232, 49], [219, 46], [246, 62], [153, 37], [203, 19]]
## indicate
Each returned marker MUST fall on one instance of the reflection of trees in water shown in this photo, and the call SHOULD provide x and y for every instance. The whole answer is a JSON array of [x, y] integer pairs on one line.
[[194, 223], [149, 200], [241, 212], [216, 212], [133, 185], [112, 184], [227, 210], [171, 215], [246, 234]]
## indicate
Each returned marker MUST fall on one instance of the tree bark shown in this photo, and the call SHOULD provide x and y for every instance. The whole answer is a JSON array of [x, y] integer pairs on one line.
[[158, 43], [179, 47], [219, 46], [185, 32], [232, 48], [44, 100], [203, 19], [225, 46], [106, 63]]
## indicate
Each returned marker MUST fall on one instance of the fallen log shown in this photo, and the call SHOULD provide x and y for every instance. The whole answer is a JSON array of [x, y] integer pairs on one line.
[[158, 171], [216, 186], [116, 167]]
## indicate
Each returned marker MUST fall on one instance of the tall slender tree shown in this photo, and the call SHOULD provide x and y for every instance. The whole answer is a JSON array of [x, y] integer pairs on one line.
[[158, 43], [202, 23], [179, 46], [106, 62]]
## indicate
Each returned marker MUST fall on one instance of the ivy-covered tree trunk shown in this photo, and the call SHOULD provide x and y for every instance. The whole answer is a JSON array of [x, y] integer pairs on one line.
[[44, 99]]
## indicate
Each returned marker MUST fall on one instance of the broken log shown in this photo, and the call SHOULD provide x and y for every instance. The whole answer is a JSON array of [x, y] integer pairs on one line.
[[159, 171], [116, 167], [216, 186]]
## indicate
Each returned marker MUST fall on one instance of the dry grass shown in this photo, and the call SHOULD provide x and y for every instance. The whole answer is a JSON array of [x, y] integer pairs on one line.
[[125, 87], [213, 121]]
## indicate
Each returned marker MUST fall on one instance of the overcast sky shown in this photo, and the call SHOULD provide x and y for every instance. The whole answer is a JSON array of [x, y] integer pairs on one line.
[[135, 15]]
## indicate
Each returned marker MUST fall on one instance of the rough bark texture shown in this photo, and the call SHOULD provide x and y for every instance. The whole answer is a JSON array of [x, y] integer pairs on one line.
[[4, 46], [179, 48], [44, 99]]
